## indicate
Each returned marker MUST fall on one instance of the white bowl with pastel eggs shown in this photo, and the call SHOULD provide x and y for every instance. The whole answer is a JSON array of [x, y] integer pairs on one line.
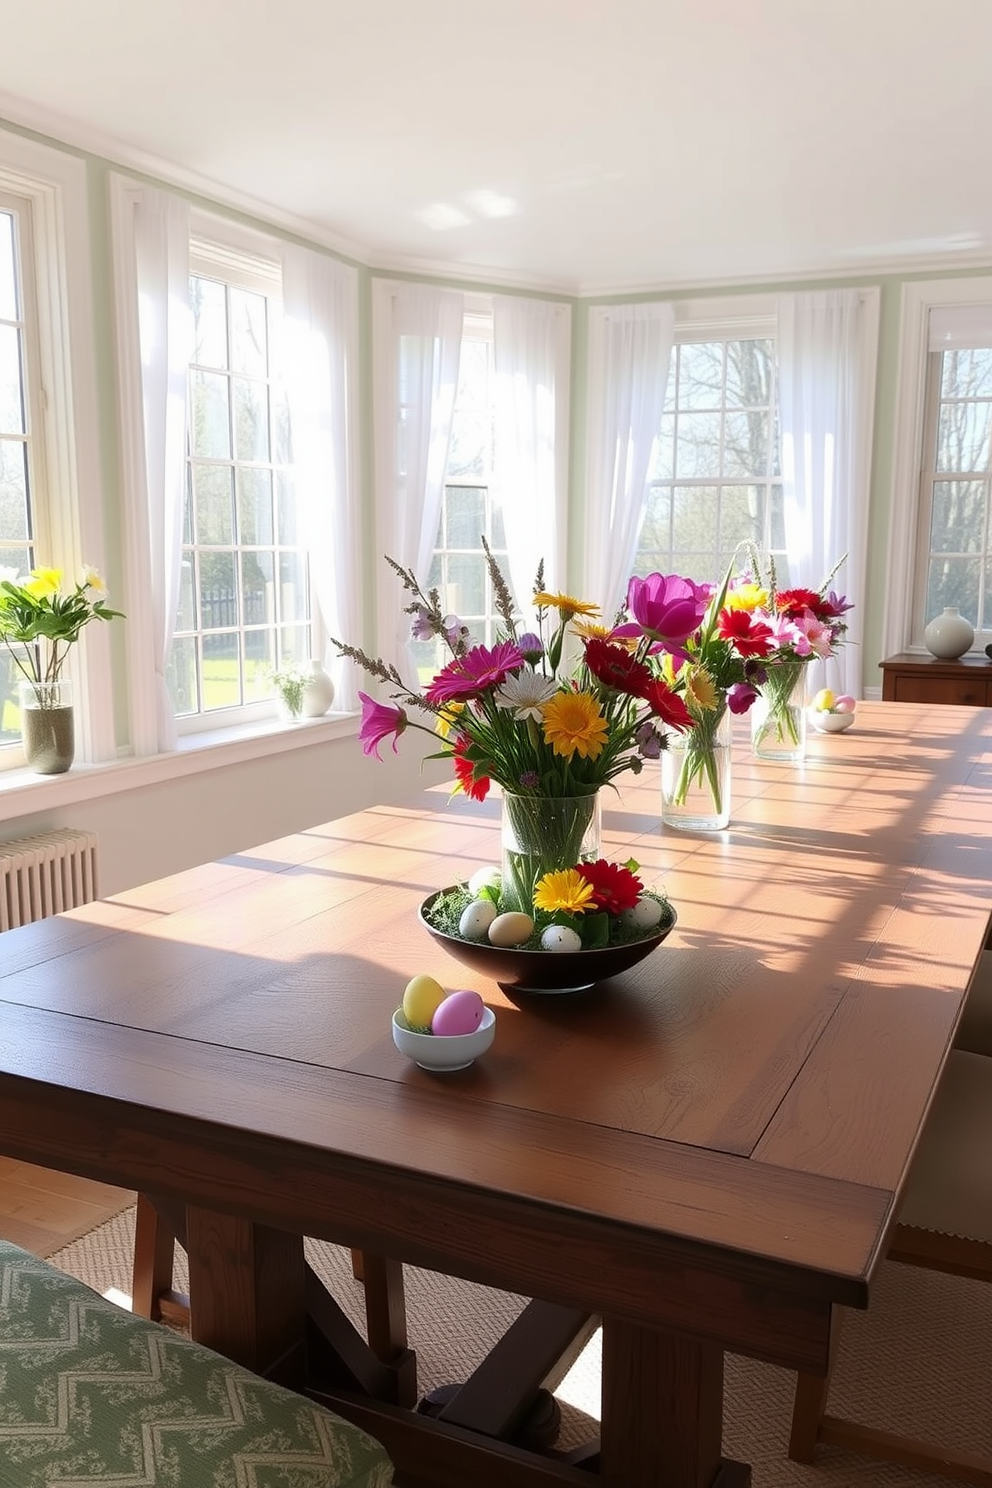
[[439, 1030], [830, 713]]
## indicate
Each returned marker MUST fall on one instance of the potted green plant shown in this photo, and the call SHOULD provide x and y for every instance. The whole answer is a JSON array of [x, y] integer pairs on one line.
[[291, 684], [40, 618]]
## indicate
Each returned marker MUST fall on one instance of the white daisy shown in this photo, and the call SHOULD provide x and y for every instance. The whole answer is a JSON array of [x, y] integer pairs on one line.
[[524, 693]]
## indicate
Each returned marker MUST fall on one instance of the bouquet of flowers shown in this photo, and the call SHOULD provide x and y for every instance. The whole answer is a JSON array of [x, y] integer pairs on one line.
[[805, 625], [41, 617], [715, 668], [551, 730]]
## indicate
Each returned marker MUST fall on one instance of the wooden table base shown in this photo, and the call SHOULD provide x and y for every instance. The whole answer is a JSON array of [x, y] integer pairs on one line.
[[254, 1299]]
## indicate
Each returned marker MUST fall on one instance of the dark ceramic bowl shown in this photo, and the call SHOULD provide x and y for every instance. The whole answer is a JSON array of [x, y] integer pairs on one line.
[[545, 971]]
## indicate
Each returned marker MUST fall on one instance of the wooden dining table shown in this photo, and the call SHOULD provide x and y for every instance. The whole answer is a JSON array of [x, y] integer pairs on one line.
[[705, 1153]]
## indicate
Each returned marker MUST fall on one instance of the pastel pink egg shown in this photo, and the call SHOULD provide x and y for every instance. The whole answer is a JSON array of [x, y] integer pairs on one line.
[[844, 704], [460, 1012]]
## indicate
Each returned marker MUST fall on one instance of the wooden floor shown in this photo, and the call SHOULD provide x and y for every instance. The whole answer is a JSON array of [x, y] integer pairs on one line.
[[43, 1210]]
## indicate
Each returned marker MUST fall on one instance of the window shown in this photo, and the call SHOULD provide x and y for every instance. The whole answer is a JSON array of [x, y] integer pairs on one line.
[[954, 563], [469, 510], [714, 479], [21, 450], [244, 604]]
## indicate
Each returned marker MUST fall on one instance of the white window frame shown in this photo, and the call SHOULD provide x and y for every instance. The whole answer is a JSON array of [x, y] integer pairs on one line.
[[736, 317], [70, 518], [239, 255], [903, 620]]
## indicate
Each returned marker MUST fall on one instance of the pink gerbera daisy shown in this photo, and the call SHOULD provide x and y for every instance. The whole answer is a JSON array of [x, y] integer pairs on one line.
[[474, 673]]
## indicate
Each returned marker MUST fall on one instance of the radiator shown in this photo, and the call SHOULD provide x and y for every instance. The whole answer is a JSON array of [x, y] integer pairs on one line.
[[43, 874]]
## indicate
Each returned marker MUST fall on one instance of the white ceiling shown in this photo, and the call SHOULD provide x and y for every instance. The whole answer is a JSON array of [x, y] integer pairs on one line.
[[583, 145]]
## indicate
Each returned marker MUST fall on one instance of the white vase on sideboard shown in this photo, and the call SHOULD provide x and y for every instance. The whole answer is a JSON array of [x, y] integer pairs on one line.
[[949, 635]]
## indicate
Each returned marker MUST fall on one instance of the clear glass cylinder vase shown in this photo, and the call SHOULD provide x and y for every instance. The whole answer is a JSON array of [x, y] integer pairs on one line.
[[47, 726], [778, 716], [544, 834], [696, 775]]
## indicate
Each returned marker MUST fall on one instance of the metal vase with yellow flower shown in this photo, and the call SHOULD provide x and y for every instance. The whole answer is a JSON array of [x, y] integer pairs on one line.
[[40, 618]]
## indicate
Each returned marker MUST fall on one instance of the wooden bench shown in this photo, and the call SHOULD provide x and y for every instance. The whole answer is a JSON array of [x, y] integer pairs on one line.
[[89, 1393]]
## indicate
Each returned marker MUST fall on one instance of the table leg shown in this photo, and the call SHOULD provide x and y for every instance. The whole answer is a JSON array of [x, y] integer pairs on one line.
[[662, 1420], [247, 1286]]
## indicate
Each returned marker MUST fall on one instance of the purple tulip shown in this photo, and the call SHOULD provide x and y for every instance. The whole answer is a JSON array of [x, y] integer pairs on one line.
[[379, 720], [666, 608]]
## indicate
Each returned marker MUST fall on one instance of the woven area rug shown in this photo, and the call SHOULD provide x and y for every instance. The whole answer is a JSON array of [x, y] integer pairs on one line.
[[920, 1360]]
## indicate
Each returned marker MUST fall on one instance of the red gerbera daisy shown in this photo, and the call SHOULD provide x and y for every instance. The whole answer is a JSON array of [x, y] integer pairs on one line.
[[615, 667], [792, 602], [667, 705], [750, 637], [476, 787], [614, 887]]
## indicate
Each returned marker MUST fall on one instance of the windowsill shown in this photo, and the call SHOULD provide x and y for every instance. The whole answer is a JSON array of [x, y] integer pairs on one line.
[[23, 793]]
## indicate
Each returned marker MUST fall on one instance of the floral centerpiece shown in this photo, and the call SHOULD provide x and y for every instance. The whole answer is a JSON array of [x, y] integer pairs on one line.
[[806, 625], [550, 728], [714, 668]]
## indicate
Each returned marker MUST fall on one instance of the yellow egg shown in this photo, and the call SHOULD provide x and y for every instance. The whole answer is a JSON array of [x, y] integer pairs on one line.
[[824, 700], [422, 998]]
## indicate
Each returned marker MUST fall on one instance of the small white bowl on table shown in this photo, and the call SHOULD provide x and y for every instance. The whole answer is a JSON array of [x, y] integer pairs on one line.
[[830, 723], [443, 1053]]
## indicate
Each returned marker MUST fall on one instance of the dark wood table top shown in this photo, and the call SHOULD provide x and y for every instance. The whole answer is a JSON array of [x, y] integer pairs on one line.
[[712, 1142]]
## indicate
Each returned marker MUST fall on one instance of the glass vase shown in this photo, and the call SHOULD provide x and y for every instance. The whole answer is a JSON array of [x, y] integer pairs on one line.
[[544, 834], [47, 726], [778, 716], [695, 775]]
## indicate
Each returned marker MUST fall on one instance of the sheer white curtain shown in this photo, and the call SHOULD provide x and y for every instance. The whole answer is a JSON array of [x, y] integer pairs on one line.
[[630, 351], [320, 304], [417, 336], [826, 351], [155, 345], [531, 357]]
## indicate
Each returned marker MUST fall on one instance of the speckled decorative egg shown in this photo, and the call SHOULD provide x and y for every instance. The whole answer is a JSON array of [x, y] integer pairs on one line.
[[422, 997], [460, 1012], [561, 938], [511, 928], [643, 915], [484, 878], [476, 919]]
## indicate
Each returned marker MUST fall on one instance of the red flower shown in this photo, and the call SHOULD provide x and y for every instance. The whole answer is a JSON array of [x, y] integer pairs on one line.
[[792, 602], [667, 705], [475, 787], [749, 637], [614, 888], [615, 667]]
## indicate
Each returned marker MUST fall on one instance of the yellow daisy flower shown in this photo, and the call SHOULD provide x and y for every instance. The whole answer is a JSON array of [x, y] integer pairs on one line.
[[564, 604], [748, 597], [448, 719], [43, 582], [574, 724], [588, 630], [700, 691], [566, 890]]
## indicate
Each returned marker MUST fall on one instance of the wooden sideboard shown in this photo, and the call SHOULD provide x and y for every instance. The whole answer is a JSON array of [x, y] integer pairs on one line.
[[917, 678]]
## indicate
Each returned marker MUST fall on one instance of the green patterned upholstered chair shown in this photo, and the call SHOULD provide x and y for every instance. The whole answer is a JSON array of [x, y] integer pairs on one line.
[[90, 1394]]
